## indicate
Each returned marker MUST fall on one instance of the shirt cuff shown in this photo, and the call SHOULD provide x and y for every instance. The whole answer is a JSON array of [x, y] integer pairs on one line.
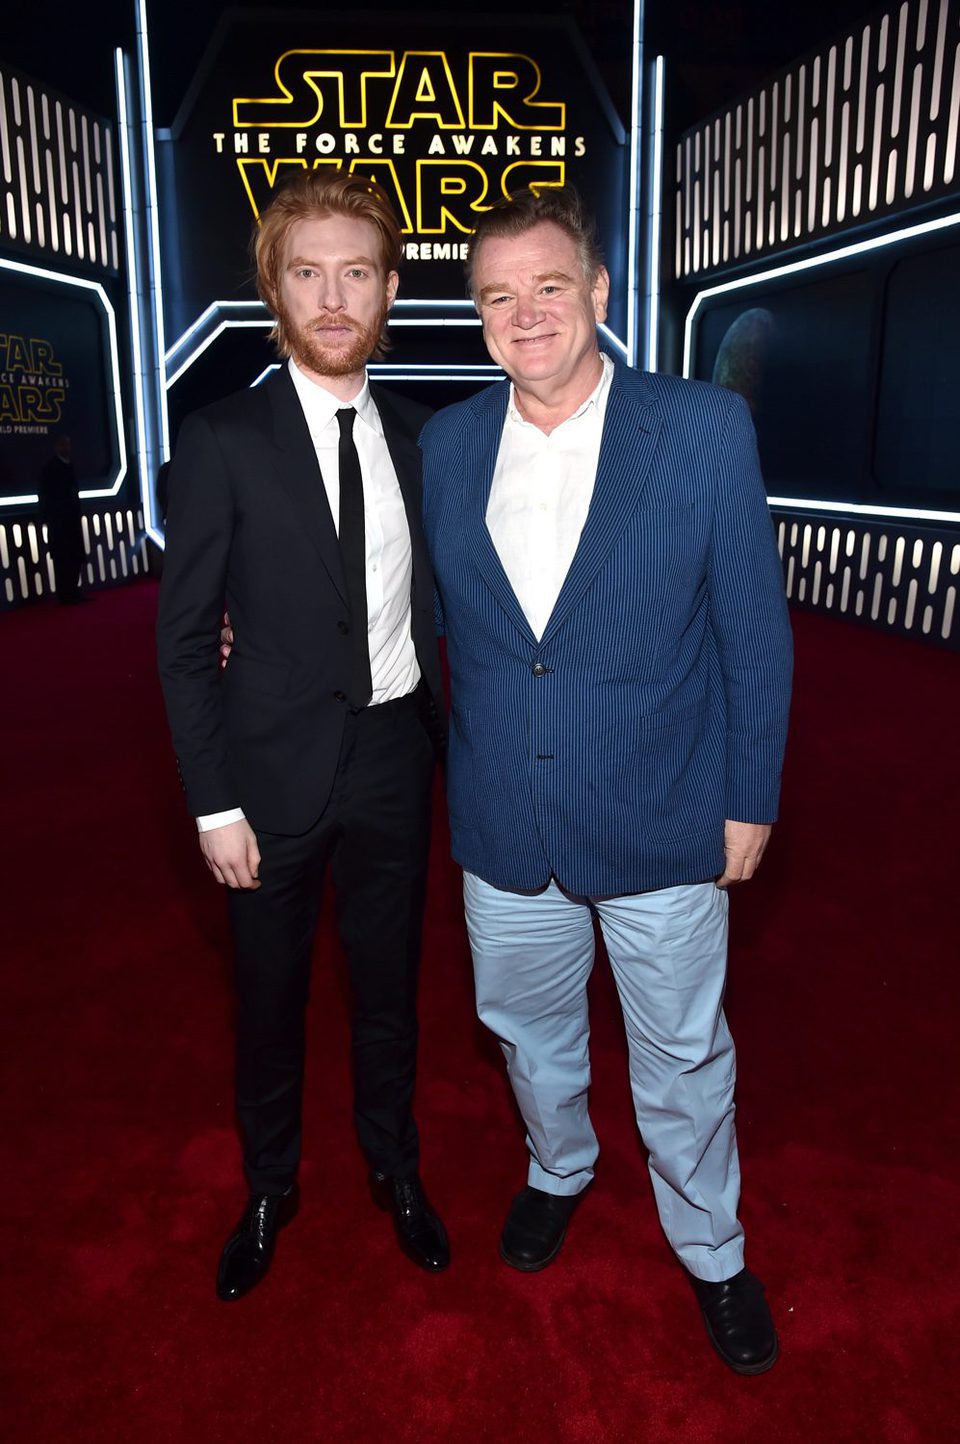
[[219, 819]]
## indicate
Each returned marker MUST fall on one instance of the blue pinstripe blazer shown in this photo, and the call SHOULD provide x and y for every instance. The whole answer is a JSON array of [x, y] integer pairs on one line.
[[610, 752]]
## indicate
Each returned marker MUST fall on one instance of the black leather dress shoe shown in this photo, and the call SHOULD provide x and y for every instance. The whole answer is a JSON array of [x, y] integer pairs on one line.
[[247, 1253], [535, 1228], [738, 1322], [420, 1232]]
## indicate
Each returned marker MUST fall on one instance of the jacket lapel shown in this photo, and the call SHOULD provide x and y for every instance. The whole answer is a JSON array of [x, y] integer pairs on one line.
[[479, 465], [299, 474], [631, 430], [405, 455]]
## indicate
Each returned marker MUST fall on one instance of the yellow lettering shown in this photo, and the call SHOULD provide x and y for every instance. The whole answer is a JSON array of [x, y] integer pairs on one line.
[[303, 77], [422, 73], [502, 85], [438, 182]]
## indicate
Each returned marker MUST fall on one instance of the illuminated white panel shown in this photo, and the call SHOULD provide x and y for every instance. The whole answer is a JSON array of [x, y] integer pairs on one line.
[[50, 165], [887, 578], [875, 130]]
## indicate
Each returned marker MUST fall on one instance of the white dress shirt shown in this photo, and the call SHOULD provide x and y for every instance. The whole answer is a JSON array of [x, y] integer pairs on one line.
[[394, 669], [540, 497]]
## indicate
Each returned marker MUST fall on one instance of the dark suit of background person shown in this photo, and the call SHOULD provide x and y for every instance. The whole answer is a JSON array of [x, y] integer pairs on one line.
[[250, 528], [60, 510]]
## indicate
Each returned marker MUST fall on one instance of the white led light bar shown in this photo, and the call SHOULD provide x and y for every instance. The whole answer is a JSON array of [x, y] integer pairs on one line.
[[633, 218], [143, 57], [655, 223]]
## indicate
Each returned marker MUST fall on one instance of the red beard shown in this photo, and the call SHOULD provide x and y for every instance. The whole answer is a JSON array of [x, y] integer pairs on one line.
[[340, 358]]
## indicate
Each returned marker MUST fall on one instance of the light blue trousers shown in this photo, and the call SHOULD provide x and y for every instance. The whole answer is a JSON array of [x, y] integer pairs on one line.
[[532, 956]]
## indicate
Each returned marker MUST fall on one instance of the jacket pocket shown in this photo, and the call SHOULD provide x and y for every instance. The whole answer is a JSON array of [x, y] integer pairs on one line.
[[257, 674]]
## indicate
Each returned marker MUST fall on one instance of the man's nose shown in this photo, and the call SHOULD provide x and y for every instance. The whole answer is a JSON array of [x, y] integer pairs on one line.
[[330, 294], [527, 312]]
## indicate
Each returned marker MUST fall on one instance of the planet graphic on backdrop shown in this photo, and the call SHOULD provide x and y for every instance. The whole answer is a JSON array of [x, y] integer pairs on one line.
[[742, 356]]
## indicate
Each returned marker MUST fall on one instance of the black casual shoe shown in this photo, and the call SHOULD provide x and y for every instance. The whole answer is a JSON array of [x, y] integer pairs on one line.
[[248, 1251], [535, 1228], [738, 1322], [420, 1232]]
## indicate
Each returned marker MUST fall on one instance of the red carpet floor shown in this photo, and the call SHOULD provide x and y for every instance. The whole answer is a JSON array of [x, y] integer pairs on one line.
[[121, 1176]]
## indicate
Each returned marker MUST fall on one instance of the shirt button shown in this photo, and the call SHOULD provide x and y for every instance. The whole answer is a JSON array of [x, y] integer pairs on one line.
[[340, 696], [538, 669]]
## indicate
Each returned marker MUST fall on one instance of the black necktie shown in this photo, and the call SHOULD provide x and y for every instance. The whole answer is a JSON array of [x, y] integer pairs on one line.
[[353, 550]]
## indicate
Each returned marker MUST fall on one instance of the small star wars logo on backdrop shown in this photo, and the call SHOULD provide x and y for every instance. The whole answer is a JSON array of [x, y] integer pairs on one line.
[[33, 386]]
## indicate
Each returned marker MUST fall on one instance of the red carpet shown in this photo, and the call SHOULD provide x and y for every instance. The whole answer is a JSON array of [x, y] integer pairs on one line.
[[121, 1175]]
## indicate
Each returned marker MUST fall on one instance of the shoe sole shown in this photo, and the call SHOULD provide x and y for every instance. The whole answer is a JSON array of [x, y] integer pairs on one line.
[[532, 1268]]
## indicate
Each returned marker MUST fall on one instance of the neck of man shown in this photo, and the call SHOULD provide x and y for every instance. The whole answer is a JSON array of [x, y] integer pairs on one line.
[[547, 405], [344, 388]]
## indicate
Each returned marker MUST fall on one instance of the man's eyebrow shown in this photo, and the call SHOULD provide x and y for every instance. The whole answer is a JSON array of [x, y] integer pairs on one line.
[[347, 261], [494, 290]]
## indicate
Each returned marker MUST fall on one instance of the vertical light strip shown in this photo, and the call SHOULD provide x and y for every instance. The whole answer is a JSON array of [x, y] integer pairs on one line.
[[655, 221], [156, 282], [127, 201], [633, 232]]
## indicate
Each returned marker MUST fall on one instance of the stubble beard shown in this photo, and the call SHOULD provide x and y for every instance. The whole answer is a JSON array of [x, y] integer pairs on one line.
[[344, 358]]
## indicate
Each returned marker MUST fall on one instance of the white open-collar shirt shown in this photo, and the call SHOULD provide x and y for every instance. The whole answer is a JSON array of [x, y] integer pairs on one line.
[[540, 496], [394, 669]]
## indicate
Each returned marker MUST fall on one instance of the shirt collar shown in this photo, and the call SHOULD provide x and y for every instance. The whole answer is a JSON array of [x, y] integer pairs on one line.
[[320, 406], [597, 398]]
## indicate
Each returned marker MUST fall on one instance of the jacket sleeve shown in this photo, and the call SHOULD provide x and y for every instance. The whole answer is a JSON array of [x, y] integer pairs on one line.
[[192, 591], [748, 614]]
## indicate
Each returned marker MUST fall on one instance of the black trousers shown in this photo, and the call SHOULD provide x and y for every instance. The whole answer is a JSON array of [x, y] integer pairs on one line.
[[375, 836], [65, 540]]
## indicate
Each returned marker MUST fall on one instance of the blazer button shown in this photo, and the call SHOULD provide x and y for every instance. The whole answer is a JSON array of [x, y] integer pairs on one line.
[[538, 669], [340, 696], [342, 627]]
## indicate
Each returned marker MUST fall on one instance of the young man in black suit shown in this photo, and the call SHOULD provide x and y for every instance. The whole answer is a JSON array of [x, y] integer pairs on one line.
[[296, 505]]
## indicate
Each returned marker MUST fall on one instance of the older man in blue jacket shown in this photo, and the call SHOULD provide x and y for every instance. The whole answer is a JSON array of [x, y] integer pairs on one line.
[[620, 662]]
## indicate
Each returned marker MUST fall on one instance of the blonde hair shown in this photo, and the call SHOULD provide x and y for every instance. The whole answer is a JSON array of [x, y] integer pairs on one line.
[[315, 194]]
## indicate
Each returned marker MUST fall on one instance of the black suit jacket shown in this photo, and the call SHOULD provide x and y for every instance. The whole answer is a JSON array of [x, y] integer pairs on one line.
[[59, 503], [249, 527]]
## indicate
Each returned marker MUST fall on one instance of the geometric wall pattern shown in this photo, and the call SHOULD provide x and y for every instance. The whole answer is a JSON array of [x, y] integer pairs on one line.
[[115, 551], [899, 577], [58, 195], [865, 129]]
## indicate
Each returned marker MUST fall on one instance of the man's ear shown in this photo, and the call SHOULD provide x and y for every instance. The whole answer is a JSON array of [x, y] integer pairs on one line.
[[393, 281], [601, 293]]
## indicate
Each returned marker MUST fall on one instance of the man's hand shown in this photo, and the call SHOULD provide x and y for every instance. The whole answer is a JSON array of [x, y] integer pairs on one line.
[[743, 846], [226, 640], [232, 855]]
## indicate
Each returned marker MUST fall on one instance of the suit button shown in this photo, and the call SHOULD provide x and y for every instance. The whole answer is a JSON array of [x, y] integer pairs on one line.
[[538, 669], [340, 696], [343, 628]]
